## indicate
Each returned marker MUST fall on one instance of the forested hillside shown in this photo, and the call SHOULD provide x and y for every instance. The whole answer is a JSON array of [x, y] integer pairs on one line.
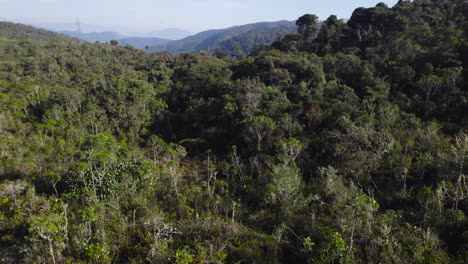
[[235, 41], [344, 144], [22, 32]]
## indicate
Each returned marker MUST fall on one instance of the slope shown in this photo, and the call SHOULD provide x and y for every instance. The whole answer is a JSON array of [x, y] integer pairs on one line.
[[11, 30], [225, 40]]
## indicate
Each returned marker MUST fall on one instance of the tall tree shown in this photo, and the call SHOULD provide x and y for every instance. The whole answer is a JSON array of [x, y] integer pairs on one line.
[[307, 26]]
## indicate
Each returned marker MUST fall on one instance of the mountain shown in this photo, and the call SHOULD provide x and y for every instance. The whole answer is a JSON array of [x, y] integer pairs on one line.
[[167, 33], [170, 33], [137, 42], [19, 31], [105, 36], [142, 43], [226, 40], [219, 40]]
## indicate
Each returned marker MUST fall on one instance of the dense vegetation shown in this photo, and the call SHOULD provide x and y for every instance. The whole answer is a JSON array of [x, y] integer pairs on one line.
[[344, 144], [23, 32]]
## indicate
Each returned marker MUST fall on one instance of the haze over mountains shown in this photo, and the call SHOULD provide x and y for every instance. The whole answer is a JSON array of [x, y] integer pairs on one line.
[[236, 39], [170, 33], [107, 36], [244, 37], [229, 40]]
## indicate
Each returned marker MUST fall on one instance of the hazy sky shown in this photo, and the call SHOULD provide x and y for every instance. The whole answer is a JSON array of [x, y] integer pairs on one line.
[[194, 15]]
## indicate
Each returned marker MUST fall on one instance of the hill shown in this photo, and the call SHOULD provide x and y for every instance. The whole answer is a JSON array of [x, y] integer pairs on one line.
[[170, 33], [142, 43], [105, 36], [21, 32], [225, 40]]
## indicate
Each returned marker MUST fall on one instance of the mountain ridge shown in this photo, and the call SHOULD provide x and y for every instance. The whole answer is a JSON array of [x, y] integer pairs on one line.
[[137, 42], [224, 40], [19, 31], [235, 39]]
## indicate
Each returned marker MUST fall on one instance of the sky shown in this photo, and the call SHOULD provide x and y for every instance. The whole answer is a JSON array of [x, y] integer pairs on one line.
[[193, 15]]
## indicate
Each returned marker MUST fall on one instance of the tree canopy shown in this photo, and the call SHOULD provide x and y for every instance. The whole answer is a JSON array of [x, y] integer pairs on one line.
[[345, 143]]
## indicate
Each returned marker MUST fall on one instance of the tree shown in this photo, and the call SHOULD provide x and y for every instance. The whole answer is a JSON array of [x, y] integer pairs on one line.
[[430, 86], [455, 186], [259, 128], [173, 154], [331, 32], [114, 42], [47, 229], [84, 178], [307, 26], [286, 181]]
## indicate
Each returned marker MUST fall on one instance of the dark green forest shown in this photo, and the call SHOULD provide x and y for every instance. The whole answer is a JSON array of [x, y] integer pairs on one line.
[[346, 142]]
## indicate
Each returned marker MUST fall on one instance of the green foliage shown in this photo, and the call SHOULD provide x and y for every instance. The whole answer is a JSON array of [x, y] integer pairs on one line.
[[341, 144], [334, 249], [306, 26], [184, 256], [22, 32], [97, 254]]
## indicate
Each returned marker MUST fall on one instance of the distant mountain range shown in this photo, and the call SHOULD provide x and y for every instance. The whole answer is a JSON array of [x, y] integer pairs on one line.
[[229, 40], [246, 37], [103, 37], [170, 33], [84, 27], [142, 43], [166, 33]]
